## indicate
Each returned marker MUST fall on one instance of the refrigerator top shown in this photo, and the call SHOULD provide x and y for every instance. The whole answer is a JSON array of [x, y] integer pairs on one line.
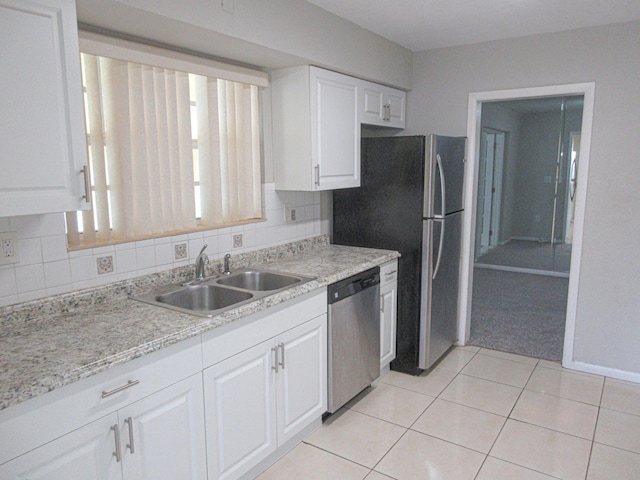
[[444, 175]]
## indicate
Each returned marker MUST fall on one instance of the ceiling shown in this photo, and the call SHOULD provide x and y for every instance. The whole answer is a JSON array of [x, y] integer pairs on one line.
[[427, 24]]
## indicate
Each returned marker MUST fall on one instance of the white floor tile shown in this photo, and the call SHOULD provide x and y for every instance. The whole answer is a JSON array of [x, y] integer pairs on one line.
[[552, 365], [483, 394], [311, 463], [356, 437], [432, 383], [392, 404], [509, 356], [499, 370], [469, 348], [377, 476], [621, 396], [618, 429], [556, 413], [417, 456], [566, 384], [543, 450], [464, 426], [496, 469], [456, 360], [612, 463]]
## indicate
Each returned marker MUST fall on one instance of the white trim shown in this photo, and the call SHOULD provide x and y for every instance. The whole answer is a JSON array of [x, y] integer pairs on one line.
[[471, 180], [532, 271], [120, 49], [604, 371]]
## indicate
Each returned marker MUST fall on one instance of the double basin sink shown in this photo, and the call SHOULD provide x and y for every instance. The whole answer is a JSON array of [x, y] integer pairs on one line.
[[216, 294]]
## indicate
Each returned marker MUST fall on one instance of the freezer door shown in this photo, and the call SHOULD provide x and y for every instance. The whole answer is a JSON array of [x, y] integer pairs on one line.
[[444, 175], [440, 280]]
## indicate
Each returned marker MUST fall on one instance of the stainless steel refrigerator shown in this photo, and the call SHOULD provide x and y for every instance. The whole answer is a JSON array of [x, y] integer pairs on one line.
[[411, 200]]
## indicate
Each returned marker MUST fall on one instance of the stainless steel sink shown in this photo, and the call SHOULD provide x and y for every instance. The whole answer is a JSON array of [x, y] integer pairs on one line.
[[203, 297], [260, 280], [217, 294]]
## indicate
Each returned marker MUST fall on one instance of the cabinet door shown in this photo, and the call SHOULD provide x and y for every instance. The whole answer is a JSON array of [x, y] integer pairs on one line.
[[162, 436], [86, 453], [335, 130], [302, 377], [240, 411], [382, 106], [388, 313], [42, 134]]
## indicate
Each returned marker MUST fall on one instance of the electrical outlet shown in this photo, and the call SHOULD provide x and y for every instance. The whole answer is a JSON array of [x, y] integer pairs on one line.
[[9, 248], [237, 241], [537, 218], [289, 213]]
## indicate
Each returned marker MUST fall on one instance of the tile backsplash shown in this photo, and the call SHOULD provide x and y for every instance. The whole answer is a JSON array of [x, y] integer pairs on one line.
[[47, 268]]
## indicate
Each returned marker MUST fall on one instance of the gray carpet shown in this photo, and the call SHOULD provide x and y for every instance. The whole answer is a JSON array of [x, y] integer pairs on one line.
[[519, 313]]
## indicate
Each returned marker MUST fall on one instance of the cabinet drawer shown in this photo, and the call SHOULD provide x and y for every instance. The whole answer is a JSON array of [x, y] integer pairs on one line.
[[389, 272], [46, 417], [224, 342]]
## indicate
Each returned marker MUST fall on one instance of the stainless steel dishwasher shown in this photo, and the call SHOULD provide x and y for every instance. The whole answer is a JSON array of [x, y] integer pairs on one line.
[[354, 336]]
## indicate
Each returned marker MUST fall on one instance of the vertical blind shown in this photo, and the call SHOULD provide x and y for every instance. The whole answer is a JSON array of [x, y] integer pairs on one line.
[[169, 152]]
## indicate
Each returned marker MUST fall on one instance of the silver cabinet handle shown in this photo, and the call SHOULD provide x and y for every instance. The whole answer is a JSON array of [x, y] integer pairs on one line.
[[129, 384], [116, 434], [382, 303], [317, 171], [282, 354], [392, 272], [387, 112], [129, 422], [87, 184], [275, 360]]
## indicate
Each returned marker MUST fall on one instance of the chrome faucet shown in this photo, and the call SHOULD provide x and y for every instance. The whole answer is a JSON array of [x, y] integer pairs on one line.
[[227, 271], [201, 260]]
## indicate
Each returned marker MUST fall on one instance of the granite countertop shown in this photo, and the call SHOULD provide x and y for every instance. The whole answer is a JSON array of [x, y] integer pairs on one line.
[[47, 344]]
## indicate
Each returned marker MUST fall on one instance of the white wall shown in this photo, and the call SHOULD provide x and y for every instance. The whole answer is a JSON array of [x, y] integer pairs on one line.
[[46, 268], [607, 330], [272, 34]]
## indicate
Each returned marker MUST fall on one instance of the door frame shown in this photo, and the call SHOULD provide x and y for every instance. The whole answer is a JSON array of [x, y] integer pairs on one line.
[[476, 99], [495, 203]]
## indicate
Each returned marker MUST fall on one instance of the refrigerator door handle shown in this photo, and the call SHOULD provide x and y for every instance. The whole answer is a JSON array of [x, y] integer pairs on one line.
[[442, 187], [440, 246]]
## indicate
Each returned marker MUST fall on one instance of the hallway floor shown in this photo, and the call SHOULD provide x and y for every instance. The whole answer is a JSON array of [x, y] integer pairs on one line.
[[479, 415]]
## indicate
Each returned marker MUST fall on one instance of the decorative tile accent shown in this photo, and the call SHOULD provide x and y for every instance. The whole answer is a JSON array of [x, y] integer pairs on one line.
[[180, 251], [105, 264]]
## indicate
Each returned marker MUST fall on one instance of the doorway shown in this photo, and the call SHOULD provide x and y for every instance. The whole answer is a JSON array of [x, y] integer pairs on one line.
[[474, 133]]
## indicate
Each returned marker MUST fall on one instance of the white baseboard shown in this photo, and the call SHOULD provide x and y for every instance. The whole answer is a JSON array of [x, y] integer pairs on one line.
[[533, 271], [604, 371]]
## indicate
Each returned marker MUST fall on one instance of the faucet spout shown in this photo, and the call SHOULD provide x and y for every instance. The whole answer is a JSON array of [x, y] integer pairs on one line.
[[201, 260]]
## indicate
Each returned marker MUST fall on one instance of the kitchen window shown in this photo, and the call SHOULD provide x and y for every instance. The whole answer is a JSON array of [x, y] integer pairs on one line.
[[174, 144]]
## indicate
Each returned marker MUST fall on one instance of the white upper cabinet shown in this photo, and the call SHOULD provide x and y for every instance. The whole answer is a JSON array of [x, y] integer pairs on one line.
[[382, 106], [42, 134], [316, 129], [316, 117]]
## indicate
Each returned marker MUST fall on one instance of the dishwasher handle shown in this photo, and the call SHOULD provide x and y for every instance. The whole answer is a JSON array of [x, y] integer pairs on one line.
[[353, 285]]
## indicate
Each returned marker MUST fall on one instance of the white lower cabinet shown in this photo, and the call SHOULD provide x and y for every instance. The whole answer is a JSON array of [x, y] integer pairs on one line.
[[158, 437], [86, 453], [162, 436], [258, 399], [388, 312]]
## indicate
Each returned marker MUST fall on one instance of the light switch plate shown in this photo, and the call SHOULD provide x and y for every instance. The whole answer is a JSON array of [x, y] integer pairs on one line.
[[9, 248]]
